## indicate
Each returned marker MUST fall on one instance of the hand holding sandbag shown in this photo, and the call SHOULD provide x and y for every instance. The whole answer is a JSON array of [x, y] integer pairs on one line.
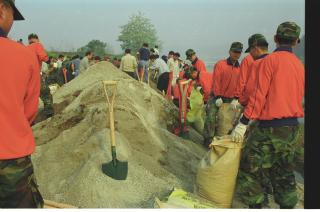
[[200, 89], [219, 102], [235, 104], [238, 133]]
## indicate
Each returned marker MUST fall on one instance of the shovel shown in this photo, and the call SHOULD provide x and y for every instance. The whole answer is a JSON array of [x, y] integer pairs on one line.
[[115, 169], [138, 77], [183, 91]]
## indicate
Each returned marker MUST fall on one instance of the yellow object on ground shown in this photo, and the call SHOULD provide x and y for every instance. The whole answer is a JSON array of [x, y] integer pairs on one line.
[[217, 174], [52, 204], [196, 113], [182, 199]]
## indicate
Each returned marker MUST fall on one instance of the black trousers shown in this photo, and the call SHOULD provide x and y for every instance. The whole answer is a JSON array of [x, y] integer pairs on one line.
[[163, 81]]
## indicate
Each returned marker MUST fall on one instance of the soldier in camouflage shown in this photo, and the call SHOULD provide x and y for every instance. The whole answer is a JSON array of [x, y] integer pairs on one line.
[[272, 145], [18, 187], [210, 120], [46, 96], [225, 93]]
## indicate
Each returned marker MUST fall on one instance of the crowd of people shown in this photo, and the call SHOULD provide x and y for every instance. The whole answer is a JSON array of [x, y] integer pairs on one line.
[[268, 88]]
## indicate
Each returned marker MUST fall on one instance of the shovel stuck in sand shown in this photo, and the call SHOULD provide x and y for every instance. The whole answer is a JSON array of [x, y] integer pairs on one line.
[[115, 169]]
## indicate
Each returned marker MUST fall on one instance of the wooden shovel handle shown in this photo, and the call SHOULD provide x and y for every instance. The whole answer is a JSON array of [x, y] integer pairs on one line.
[[183, 92], [108, 82], [52, 204], [110, 103], [185, 82], [137, 73]]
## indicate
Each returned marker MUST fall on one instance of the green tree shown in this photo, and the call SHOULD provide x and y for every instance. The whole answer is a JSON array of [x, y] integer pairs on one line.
[[137, 31], [97, 47]]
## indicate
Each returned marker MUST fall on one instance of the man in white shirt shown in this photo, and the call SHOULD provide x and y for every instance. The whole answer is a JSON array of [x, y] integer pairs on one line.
[[128, 63], [85, 62], [156, 50], [158, 64], [170, 61], [60, 61], [176, 68], [163, 72]]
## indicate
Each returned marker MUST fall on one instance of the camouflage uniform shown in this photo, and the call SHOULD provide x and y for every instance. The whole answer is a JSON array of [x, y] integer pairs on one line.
[[269, 156], [46, 97], [210, 121], [18, 187]]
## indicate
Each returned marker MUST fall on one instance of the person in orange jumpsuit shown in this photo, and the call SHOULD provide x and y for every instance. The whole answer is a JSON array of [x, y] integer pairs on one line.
[[19, 100], [224, 83], [272, 144]]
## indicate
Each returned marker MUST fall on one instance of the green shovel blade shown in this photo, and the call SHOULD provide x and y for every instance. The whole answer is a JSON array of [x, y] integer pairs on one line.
[[116, 169]]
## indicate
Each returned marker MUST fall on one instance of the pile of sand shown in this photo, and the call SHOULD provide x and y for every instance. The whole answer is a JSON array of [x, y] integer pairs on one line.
[[75, 142], [72, 145]]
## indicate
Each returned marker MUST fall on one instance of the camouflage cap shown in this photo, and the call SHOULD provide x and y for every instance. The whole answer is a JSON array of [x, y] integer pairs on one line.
[[236, 47], [288, 30], [16, 14], [256, 40], [189, 53]]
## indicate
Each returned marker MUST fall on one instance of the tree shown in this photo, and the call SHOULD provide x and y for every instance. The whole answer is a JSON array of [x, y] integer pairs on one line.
[[98, 47], [137, 31]]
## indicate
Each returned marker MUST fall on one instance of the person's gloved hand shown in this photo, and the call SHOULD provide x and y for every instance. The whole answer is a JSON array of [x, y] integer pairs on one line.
[[199, 88], [238, 133], [235, 104], [219, 102]]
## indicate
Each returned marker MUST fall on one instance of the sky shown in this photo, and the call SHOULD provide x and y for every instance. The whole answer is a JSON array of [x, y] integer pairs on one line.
[[207, 26]]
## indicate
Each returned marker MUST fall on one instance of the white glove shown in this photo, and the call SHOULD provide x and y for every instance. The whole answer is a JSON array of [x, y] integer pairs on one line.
[[219, 102], [235, 104], [238, 133]]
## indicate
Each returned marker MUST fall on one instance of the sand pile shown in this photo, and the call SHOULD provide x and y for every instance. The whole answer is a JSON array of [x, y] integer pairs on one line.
[[72, 145], [75, 142]]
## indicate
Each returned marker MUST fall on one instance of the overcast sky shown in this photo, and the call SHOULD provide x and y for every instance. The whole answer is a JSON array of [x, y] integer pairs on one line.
[[207, 26]]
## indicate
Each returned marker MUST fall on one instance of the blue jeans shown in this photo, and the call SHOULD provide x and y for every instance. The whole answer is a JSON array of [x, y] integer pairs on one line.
[[76, 73], [144, 64]]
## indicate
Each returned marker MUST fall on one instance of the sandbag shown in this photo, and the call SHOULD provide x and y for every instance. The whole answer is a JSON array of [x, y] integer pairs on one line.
[[217, 173], [196, 113], [226, 119], [182, 199]]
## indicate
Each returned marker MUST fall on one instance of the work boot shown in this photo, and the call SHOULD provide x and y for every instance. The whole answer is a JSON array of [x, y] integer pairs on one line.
[[266, 200], [256, 206]]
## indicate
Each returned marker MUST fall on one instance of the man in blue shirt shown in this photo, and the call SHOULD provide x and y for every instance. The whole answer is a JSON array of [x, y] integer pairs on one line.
[[144, 55], [76, 65]]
